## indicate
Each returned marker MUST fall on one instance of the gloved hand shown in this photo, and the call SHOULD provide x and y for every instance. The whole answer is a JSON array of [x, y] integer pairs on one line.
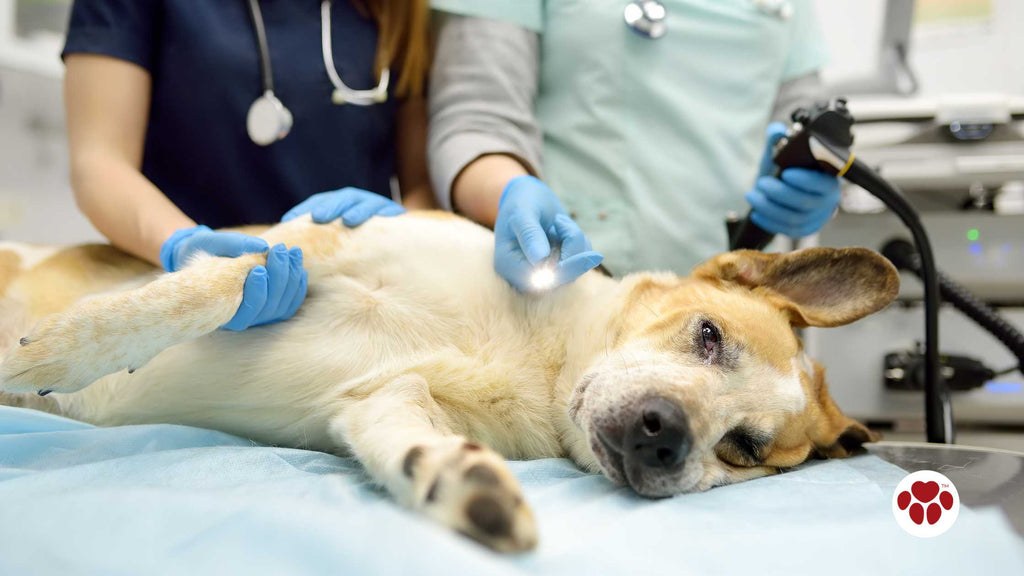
[[796, 204], [271, 293], [530, 218], [352, 205]]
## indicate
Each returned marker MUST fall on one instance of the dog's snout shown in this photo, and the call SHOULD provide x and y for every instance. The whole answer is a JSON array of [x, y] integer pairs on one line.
[[660, 436]]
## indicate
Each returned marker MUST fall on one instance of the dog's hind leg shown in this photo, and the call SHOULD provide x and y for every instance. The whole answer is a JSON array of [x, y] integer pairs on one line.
[[405, 441]]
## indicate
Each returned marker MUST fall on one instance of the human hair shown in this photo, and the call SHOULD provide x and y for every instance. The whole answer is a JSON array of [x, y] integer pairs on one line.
[[402, 40]]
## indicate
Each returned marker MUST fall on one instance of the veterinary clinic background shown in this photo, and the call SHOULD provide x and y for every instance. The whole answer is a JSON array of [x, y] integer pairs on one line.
[[609, 135]]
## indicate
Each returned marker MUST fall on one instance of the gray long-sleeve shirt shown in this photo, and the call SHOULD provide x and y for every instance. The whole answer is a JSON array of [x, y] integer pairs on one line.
[[483, 87]]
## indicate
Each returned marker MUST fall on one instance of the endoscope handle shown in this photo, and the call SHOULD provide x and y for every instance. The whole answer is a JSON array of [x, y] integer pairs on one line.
[[819, 139], [745, 235]]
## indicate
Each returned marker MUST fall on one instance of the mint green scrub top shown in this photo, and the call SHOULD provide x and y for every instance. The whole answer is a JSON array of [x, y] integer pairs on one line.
[[649, 143]]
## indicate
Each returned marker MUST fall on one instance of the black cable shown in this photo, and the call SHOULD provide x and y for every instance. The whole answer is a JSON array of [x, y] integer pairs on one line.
[[938, 410], [1009, 370], [902, 254], [261, 41]]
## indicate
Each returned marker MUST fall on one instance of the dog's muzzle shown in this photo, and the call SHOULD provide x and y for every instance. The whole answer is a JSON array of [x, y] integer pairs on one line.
[[650, 439]]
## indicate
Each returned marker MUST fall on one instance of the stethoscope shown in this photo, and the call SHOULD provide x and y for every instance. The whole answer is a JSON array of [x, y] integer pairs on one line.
[[268, 119], [648, 17]]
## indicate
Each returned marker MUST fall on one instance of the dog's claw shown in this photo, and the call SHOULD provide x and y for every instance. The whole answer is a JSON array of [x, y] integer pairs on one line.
[[131, 370], [44, 392], [24, 341]]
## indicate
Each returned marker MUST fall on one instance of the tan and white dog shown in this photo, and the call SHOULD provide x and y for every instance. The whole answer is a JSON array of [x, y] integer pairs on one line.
[[412, 355]]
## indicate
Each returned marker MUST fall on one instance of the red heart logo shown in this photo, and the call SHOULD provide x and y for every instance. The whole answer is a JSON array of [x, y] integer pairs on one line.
[[925, 491]]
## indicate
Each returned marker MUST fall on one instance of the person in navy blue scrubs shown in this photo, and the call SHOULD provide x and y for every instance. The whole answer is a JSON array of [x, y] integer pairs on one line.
[[157, 96]]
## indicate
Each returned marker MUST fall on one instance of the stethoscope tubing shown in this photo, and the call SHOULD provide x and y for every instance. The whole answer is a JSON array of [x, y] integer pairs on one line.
[[266, 71], [342, 93]]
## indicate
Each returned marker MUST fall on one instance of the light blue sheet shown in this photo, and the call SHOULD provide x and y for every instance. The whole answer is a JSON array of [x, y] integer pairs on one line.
[[175, 500]]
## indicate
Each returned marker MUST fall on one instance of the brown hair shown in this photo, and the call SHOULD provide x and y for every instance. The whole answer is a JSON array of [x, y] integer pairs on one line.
[[402, 40]]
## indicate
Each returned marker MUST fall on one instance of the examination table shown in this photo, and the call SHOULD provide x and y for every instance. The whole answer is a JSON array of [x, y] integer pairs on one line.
[[164, 499]]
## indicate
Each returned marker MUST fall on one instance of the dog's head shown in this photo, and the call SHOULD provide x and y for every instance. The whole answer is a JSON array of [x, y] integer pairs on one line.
[[705, 382]]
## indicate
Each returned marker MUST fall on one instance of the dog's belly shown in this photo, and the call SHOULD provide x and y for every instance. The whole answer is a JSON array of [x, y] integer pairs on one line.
[[416, 297]]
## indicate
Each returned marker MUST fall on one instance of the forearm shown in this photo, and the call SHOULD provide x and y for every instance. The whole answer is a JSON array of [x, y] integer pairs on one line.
[[125, 207], [478, 187], [107, 106]]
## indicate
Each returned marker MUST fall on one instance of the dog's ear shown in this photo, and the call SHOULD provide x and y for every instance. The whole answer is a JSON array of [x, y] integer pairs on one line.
[[834, 434], [816, 286]]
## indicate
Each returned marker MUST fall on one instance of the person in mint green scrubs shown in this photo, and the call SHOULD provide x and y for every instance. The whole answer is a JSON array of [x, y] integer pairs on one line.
[[556, 122]]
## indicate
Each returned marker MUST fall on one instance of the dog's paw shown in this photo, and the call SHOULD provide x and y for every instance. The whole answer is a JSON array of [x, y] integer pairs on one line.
[[64, 353], [469, 488]]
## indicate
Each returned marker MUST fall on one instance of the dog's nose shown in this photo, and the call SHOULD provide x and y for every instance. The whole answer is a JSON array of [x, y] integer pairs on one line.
[[660, 437]]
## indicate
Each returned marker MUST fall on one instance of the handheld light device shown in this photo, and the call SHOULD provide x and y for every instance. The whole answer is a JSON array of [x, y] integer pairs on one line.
[[545, 276]]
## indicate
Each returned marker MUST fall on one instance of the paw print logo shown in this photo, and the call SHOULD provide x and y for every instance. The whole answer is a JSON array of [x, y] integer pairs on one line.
[[925, 504]]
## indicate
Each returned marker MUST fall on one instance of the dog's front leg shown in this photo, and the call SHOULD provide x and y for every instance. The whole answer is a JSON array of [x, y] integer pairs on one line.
[[111, 332], [108, 333], [405, 441]]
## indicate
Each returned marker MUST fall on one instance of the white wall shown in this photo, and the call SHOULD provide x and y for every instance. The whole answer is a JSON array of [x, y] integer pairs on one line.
[[36, 203], [974, 58]]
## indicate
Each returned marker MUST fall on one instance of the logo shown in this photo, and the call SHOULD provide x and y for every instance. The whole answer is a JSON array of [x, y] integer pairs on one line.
[[925, 504]]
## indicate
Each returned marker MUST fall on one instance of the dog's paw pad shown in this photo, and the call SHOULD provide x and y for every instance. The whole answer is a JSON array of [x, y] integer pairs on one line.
[[468, 487], [488, 516], [481, 474]]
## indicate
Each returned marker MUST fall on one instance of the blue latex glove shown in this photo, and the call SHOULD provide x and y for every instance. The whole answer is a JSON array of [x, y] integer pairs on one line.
[[796, 204], [353, 205], [271, 293], [530, 219]]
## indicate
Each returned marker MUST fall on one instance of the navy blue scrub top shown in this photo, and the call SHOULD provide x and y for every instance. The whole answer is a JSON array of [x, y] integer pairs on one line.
[[204, 63]]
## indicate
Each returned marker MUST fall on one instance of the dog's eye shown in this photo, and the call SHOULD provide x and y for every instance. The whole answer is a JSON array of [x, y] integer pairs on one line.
[[710, 338]]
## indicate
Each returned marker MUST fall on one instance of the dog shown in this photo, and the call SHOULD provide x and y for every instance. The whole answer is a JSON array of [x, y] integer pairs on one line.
[[413, 356]]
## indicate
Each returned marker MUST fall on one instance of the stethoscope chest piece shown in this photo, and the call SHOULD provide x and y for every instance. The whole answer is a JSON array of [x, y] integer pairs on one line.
[[268, 120], [646, 17]]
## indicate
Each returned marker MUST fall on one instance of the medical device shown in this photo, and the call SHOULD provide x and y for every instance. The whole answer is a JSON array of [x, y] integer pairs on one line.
[[268, 119], [545, 275], [820, 139], [648, 17], [903, 255]]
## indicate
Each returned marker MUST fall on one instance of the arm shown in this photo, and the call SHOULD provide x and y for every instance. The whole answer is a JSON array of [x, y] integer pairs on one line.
[[477, 189], [413, 177], [485, 148], [482, 129], [107, 107], [107, 103]]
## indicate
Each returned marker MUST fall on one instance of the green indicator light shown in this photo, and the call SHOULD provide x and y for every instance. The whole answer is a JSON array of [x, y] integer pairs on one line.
[[973, 234]]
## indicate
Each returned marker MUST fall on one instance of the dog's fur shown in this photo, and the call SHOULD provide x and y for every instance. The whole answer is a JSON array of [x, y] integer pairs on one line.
[[412, 355]]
